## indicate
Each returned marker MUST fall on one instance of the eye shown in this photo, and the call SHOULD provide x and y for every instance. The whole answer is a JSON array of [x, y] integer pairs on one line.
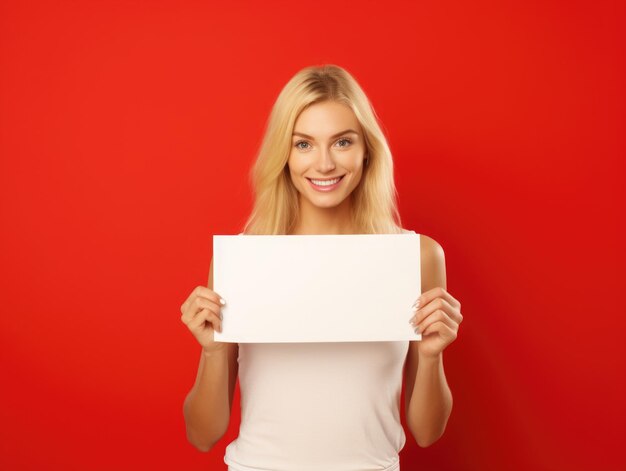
[[345, 139], [349, 141]]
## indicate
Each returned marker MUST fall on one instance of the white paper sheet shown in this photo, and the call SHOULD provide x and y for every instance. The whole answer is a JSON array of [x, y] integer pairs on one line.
[[317, 288]]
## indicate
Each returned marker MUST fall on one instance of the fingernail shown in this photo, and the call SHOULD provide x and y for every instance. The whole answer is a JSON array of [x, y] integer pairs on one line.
[[414, 309], [411, 320], [222, 301], [417, 304]]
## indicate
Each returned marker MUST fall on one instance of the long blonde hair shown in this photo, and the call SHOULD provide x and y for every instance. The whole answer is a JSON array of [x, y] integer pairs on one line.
[[276, 202]]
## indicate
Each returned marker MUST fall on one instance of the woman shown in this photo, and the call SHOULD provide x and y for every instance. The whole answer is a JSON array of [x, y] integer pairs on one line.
[[324, 167]]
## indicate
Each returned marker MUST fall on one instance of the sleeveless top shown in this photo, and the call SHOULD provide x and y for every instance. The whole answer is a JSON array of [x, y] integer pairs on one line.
[[332, 406]]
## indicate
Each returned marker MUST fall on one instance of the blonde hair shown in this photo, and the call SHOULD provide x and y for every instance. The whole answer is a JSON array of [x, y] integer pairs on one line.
[[276, 202]]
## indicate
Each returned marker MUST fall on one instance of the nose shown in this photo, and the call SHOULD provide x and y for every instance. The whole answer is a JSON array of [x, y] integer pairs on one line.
[[325, 162]]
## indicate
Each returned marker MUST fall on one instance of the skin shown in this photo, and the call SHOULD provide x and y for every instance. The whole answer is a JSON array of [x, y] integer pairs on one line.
[[428, 400], [323, 156]]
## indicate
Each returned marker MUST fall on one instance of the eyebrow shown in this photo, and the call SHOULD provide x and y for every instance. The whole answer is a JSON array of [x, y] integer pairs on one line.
[[347, 131]]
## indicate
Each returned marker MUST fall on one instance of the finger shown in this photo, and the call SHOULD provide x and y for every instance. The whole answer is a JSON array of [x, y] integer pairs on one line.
[[444, 330], [437, 316], [208, 293], [197, 305], [426, 310], [197, 291], [206, 316], [193, 307], [438, 303], [437, 292], [199, 319]]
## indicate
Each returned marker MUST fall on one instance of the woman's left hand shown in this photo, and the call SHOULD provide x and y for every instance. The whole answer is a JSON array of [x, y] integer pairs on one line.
[[437, 319]]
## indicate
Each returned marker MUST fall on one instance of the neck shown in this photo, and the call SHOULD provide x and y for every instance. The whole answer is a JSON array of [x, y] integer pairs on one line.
[[313, 220]]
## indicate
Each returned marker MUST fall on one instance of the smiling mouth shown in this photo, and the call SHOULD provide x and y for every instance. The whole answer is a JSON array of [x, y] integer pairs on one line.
[[325, 179], [326, 185]]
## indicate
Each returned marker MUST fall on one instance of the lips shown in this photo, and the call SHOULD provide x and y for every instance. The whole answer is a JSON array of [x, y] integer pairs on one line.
[[326, 179], [328, 187]]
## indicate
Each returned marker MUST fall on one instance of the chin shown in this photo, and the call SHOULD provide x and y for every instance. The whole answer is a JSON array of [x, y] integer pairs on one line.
[[328, 205], [322, 201]]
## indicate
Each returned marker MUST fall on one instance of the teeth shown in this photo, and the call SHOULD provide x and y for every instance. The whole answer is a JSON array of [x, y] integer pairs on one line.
[[326, 182]]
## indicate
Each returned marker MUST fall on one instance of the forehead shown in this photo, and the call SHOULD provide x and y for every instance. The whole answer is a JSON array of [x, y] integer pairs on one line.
[[325, 119]]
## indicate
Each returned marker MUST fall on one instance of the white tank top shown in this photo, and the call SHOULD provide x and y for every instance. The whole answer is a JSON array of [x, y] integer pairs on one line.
[[332, 406]]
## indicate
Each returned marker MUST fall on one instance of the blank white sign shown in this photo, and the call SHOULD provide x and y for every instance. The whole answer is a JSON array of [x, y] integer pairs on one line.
[[317, 288]]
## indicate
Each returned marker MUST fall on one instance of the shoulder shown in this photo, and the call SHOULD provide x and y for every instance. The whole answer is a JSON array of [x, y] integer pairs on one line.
[[433, 263], [430, 248]]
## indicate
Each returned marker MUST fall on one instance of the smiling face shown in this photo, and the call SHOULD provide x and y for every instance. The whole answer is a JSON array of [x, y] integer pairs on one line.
[[327, 144]]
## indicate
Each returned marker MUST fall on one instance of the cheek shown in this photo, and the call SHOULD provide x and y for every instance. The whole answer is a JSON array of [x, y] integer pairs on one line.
[[295, 170], [297, 166], [354, 158], [354, 163], [357, 173]]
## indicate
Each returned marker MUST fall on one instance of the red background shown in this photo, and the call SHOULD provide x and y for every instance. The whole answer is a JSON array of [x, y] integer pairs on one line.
[[128, 129]]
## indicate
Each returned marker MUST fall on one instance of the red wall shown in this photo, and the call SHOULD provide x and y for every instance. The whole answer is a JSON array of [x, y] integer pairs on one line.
[[127, 133]]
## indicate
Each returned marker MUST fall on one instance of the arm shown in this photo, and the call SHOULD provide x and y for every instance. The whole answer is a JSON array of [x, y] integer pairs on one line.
[[428, 399], [207, 406]]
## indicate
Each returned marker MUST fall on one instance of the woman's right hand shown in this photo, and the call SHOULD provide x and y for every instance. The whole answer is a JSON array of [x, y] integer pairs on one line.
[[201, 313]]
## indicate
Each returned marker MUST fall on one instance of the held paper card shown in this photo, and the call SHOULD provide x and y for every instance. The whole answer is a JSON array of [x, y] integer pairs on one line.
[[317, 288]]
